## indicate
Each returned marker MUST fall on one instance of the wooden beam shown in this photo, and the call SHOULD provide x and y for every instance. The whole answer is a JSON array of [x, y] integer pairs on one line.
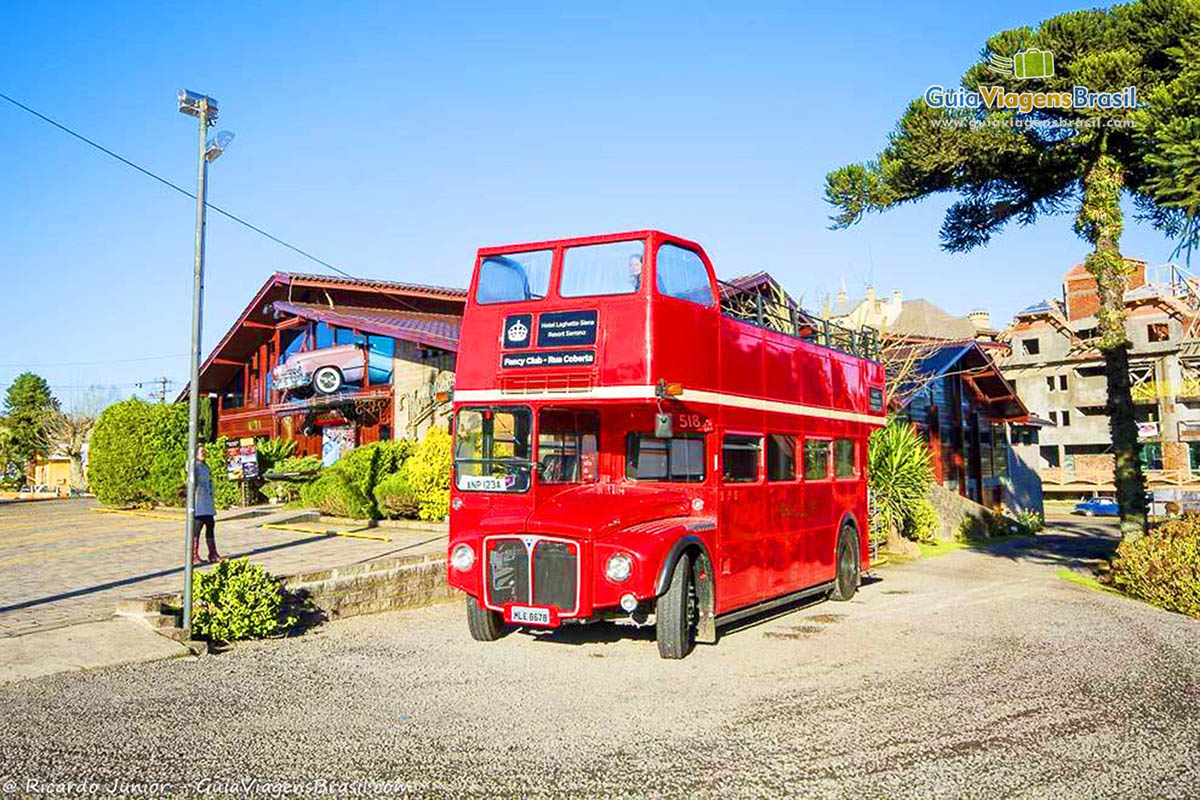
[[227, 362], [263, 325]]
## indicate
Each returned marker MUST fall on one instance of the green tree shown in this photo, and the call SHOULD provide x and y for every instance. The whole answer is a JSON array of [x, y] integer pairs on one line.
[[28, 405], [1007, 165]]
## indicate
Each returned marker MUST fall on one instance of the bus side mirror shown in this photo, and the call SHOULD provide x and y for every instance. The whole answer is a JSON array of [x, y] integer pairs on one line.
[[663, 429]]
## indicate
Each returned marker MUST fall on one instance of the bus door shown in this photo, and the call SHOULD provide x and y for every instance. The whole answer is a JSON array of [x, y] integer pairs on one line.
[[742, 503]]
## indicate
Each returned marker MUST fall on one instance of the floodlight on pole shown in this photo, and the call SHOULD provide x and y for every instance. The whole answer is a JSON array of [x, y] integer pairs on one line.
[[205, 109]]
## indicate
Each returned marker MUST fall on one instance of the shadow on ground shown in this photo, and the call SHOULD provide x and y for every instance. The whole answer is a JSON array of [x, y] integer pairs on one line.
[[1071, 542]]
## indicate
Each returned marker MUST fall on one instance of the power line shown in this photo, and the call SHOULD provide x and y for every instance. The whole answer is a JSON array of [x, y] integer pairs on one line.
[[171, 185]]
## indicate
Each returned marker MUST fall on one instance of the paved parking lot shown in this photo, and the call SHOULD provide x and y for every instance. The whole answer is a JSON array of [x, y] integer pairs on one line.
[[976, 674], [62, 563]]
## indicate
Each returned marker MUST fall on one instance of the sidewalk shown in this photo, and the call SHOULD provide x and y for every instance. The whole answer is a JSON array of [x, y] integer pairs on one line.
[[61, 563], [91, 645]]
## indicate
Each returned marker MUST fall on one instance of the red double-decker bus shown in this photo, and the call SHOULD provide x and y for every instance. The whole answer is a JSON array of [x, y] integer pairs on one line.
[[634, 439]]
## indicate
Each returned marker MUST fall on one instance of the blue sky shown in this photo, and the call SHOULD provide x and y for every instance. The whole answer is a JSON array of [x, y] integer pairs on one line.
[[393, 140]]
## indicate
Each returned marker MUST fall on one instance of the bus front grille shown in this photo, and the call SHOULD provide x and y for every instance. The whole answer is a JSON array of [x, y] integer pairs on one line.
[[555, 567], [554, 582], [508, 572]]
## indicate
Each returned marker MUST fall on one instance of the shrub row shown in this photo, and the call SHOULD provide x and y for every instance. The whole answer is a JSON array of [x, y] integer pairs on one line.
[[1163, 567]]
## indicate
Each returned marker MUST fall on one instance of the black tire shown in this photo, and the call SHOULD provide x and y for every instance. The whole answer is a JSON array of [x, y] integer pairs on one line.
[[845, 583], [327, 380], [1089, 513], [675, 613], [486, 625]]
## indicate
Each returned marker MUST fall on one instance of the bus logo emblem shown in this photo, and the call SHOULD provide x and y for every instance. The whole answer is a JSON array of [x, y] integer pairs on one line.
[[518, 332]]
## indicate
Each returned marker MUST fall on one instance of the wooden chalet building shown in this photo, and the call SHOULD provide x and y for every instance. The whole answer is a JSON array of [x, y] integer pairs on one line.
[[395, 343]]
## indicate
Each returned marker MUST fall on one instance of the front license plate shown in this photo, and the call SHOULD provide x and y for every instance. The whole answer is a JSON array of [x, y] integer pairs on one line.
[[524, 615]]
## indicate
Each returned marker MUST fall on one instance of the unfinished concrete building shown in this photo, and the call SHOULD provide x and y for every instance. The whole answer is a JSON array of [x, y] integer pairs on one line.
[[1059, 375]]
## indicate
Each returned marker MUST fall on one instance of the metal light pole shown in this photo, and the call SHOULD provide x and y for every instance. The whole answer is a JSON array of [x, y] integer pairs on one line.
[[206, 110]]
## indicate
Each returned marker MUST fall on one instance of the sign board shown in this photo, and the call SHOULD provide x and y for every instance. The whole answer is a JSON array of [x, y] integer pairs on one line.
[[1147, 430], [242, 460], [548, 358], [566, 329]]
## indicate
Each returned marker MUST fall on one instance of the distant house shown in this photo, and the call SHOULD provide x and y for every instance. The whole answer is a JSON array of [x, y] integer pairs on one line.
[[896, 317], [963, 407]]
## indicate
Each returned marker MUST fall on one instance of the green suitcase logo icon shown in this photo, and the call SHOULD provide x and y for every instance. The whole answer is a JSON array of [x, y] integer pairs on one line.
[[1033, 63]]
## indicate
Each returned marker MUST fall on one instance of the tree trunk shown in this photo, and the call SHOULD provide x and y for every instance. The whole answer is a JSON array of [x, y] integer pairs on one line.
[[1100, 222]]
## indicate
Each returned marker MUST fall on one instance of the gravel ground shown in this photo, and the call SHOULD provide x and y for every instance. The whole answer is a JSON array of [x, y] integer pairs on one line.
[[976, 674]]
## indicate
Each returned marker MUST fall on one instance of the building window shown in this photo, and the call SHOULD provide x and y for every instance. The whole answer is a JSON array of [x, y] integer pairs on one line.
[[1032, 346], [1049, 454], [781, 457], [1194, 456], [816, 459], [843, 458], [1054, 417], [1050, 383], [1066, 419], [740, 457], [1062, 382], [1151, 456], [1158, 332]]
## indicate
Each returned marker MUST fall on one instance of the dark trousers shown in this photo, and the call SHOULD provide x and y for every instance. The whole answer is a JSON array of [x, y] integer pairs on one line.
[[206, 522]]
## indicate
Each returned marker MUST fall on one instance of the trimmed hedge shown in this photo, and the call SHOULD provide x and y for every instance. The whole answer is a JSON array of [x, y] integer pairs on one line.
[[138, 456], [1163, 567], [347, 488]]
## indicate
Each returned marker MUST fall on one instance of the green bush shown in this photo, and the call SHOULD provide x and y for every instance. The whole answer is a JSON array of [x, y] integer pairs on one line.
[[1163, 567], [428, 474], [274, 451], [396, 498], [237, 600], [347, 489], [921, 522], [1030, 521], [288, 491], [900, 475]]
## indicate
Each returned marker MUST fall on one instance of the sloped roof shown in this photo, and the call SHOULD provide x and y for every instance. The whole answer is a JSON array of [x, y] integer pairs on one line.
[[419, 289], [923, 318], [979, 369], [842, 308], [435, 330]]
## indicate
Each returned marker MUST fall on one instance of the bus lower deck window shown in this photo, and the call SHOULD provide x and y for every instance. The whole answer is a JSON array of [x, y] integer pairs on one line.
[[740, 455], [781, 457], [816, 459], [843, 458], [679, 459]]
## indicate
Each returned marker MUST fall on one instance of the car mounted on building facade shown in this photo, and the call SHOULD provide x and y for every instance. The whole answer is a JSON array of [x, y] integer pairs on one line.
[[323, 371], [633, 439]]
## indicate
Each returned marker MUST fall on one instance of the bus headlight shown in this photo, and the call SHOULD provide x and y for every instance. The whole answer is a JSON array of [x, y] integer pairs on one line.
[[618, 568], [462, 558]]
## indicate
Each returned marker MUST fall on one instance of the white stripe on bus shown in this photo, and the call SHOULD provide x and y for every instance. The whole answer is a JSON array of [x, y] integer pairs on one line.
[[648, 393]]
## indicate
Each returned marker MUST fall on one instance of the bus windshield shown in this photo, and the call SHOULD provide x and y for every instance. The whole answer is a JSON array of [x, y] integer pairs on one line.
[[514, 277], [492, 449]]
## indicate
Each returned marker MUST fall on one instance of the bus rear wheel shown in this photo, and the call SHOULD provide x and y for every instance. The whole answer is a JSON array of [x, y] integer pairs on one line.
[[486, 625], [676, 613], [845, 583]]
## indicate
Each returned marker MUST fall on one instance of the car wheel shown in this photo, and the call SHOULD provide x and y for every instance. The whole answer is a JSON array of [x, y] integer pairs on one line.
[[845, 582], [486, 625], [1089, 513], [676, 613], [327, 380]]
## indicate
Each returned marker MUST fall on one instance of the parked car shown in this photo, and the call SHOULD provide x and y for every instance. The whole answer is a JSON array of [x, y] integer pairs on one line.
[[1098, 507], [327, 370]]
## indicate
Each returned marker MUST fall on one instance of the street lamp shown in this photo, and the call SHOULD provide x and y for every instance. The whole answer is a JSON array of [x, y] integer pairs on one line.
[[205, 109]]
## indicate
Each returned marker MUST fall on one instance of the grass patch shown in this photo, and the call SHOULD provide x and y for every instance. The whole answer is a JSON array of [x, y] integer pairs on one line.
[[930, 549], [1087, 581]]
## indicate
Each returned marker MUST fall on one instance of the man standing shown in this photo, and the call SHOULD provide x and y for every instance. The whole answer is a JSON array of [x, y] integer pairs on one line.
[[635, 272], [205, 511]]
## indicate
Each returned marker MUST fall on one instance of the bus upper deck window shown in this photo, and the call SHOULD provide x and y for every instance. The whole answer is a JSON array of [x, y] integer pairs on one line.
[[681, 273], [599, 269], [514, 277]]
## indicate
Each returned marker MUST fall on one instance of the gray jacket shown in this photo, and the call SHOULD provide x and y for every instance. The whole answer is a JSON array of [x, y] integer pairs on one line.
[[204, 491]]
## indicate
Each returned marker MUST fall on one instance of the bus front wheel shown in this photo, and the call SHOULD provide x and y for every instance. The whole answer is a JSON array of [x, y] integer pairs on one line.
[[845, 583], [676, 613], [486, 625]]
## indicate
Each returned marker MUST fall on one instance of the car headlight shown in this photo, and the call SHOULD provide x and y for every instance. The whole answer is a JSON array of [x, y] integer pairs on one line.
[[618, 568], [462, 558]]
